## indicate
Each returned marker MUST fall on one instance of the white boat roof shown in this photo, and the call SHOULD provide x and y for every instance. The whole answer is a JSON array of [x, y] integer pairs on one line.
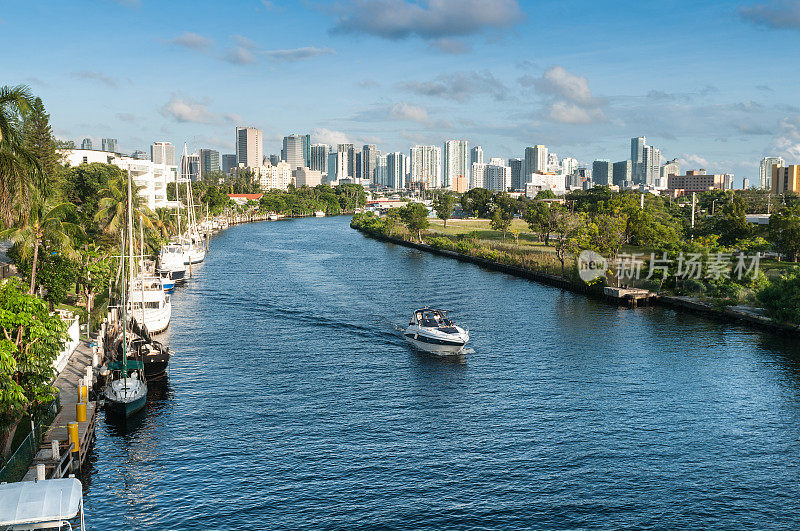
[[29, 502]]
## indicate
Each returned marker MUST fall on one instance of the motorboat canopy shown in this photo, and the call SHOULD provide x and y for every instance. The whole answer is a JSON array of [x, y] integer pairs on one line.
[[429, 318], [40, 504]]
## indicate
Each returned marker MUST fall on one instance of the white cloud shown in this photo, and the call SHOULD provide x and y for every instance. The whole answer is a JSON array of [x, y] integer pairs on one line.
[[95, 76], [788, 142], [428, 19], [405, 111], [297, 54], [191, 40], [570, 113], [185, 110], [459, 86], [558, 82], [327, 136], [692, 161]]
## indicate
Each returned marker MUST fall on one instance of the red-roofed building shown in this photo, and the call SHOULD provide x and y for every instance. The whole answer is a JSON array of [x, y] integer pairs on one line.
[[241, 199]]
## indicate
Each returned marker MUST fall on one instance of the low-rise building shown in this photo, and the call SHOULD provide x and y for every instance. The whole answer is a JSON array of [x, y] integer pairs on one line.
[[555, 182], [698, 181], [306, 177], [151, 177], [274, 177]]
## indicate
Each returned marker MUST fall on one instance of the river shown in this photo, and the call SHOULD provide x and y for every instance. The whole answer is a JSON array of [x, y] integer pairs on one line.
[[294, 402]]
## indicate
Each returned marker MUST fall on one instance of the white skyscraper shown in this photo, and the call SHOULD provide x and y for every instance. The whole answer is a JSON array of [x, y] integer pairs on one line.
[[249, 147], [478, 175], [552, 163], [162, 153], [652, 165], [535, 160], [380, 170], [637, 158], [293, 151], [765, 171], [568, 165], [456, 156], [396, 170], [497, 177], [426, 165]]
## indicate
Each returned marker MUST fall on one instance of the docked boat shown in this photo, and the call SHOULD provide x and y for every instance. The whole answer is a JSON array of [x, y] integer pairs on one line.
[[272, 217], [153, 354], [430, 330], [193, 248], [148, 303], [319, 214], [42, 504], [126, 391], [170, 264]]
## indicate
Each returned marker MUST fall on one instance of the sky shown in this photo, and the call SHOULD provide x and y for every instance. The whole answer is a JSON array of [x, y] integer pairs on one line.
[[713, 83]]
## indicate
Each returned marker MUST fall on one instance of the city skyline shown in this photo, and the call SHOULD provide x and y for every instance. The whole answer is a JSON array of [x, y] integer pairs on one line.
[[480, 75]]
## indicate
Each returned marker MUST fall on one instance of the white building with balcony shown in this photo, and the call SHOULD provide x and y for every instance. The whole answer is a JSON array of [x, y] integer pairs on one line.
[[151, 177]]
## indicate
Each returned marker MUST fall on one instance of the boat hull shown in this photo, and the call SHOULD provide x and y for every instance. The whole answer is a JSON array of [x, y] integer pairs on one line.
[[125, 409], [156, 321], [434, 345]]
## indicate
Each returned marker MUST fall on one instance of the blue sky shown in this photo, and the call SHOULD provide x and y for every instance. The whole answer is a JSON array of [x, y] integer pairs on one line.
[[713, 83]]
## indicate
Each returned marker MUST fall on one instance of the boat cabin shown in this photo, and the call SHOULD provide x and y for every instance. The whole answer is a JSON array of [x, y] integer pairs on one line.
[[43, 504], [429, 318]]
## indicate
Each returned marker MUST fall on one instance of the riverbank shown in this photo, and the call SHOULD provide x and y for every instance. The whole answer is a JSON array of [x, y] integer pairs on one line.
[[743, 315]]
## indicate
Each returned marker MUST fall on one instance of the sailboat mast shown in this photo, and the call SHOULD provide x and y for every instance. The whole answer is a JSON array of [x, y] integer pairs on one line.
[[141, 240], [130, 227]]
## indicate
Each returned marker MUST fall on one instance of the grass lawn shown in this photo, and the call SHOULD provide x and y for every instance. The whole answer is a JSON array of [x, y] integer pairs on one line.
[[482, 229]]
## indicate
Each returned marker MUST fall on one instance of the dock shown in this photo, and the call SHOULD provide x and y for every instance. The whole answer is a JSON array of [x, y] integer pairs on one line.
[[629, 296], [58, 456]]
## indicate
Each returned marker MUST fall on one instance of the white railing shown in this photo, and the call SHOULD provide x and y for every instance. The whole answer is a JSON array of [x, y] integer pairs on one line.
[[73, 331]]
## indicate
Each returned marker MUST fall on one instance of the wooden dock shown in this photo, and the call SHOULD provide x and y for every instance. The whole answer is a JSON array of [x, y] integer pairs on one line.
[[630, 296], [62, 459]]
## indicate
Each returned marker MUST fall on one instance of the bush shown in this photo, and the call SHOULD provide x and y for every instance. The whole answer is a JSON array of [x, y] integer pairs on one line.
[[441, 242], [781, 298]]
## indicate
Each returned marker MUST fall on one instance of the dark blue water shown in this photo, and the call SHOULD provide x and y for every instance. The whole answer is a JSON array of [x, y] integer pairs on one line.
[[293, 402]]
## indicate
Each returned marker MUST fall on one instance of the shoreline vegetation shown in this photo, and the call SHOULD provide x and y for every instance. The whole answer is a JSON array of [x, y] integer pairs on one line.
[[516, 247]]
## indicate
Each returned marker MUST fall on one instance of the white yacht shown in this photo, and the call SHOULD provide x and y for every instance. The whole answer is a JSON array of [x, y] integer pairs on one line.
[[148, 303], [193, 248], [171, 263], [430, 330]]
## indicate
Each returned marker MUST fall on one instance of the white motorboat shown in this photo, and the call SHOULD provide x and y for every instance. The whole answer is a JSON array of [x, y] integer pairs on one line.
[[43, 504], [319, 214], [192, 247], [430, 330], [171, 262], [148, 303]]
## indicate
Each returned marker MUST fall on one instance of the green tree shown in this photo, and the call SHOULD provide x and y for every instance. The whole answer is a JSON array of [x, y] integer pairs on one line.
[[570, 233], [84, 186], [415, 217], [19, 166], [443, 205], [478, 201], [32, 339], [784, 231], [95, 271], [730, 221], [540, 218], [113, 206], [39, 141], [501, 221], [545, 194], [45, 223]]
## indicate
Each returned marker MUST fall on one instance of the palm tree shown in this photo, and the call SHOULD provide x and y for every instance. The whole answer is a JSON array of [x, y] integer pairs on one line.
[[17, 163], [113, 206], [43, 222], [162, 220]]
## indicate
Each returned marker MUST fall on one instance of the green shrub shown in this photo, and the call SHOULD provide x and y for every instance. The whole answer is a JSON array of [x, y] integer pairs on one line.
[[781, 298]]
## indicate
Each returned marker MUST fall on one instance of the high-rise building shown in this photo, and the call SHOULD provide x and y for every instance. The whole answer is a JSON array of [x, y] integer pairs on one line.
[[652, 165], [380, 170], [475, 155], [622, 172], [273, 159], [426, 165], [228, 163], [764, 172], [349, 156], [162, 153], [209, 162], [478, 175], [786, 179], [190, 167], [456, 155], [673, 167], [109, 144], [698, 181], [396, 170], [319, 157], [307, 150], [517, 168], [602, 172], [568, 165], [745, 183], [535, 160], [552, 163], [498, 176], [293, 151], [140, 155], [369, 161], [637, 158], [86, 143], [330, 174], [249, 147]]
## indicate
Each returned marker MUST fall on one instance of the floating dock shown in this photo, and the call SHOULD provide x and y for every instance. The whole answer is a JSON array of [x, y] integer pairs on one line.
[[629, 296]]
